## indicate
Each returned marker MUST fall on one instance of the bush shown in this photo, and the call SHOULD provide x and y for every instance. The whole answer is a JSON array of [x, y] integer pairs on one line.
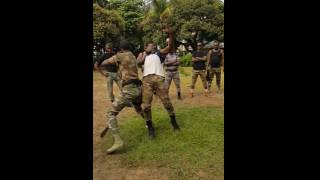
[[186, 60]]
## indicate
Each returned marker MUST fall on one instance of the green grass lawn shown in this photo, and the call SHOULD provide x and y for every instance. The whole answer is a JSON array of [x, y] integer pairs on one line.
[[197, 152]]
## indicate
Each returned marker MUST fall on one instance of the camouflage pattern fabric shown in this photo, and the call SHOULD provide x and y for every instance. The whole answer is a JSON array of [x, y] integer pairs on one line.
[[217, 72], [129, 94], [150, 84], [202, 74], [112, 77], [176, 79]]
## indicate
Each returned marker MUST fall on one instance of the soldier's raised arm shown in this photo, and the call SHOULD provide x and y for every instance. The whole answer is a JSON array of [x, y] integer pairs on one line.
[[167, 49]]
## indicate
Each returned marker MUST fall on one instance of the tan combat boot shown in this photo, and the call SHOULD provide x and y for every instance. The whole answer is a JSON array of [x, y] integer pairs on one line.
[[118, 143]]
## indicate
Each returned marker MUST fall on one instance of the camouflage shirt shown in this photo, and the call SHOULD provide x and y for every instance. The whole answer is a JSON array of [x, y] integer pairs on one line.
[[171, 58], [127, 64]]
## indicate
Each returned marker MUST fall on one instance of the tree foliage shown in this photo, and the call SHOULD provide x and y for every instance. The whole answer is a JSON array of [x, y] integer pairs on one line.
[[191, 20], [107, 24], [132, 13], [196, 20]]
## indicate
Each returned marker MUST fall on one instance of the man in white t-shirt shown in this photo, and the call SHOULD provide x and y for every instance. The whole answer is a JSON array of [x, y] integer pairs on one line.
[[153, 81]]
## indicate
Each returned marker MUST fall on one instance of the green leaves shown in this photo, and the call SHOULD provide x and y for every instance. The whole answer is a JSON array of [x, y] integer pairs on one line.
[[186, 60], [191, 20], [132, 13], [106, 23], [203, 18]]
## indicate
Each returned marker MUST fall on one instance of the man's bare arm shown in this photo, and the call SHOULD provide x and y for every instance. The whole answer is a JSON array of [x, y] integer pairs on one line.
[[141, 57], [204, 58], [167, 49], [195, 59], [108, 61], [177, 62], [96, 66], [168, 63]]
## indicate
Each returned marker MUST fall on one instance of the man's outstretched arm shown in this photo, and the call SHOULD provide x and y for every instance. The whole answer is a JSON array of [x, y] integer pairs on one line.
[[111, 60]]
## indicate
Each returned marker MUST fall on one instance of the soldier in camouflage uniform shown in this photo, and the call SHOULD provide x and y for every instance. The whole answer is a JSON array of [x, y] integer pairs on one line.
[[153, 81], [172, 63], [109, 71], [130, 92], [199, 68], [215, 59]]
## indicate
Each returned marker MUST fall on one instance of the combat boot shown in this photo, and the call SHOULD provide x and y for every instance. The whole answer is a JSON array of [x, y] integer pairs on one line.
[[151, 129], [179, 96], [174, 122], [117, 144]]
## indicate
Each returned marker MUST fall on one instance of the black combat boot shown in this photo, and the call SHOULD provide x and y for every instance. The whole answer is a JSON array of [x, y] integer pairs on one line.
[[151, 129], [179, 96], [174, 122]]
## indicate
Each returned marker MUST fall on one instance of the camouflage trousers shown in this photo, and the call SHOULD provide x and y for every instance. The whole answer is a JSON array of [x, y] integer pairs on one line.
[[173, 75], [112, 76], [130, 93], [150, 84], [202, 74], [214, 72]]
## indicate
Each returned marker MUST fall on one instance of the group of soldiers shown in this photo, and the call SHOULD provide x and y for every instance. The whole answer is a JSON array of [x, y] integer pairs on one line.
[[207, 65], [122, 68]]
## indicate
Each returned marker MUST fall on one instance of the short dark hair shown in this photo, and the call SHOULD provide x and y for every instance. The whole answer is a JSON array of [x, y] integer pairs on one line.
[[124, 45], [148, 42]]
